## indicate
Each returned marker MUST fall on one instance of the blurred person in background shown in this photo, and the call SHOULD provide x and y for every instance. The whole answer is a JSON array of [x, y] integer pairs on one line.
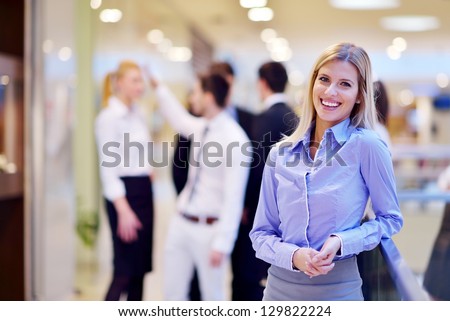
[[382, 106], [127, 185], [202, 233], [367, 260], [246, 285], [317, 182], [437, 278], [276, 120], [181, 158], [238, 112]]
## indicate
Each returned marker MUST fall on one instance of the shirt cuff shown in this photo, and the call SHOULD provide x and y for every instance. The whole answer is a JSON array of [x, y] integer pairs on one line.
[[341, 250], [285, 256], [293, 268], [113, 192]]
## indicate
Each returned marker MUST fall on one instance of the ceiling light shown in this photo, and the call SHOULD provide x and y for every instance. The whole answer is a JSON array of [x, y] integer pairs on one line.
[[95, 4], [268, 35], [179, 54], [405, 97], [410, 23], [276, 43], [365, 5], [260, 14], [393, 53], [110, 15], [253, 3], [64, 53], [400, 44], [280, 55], [442, 80], [155, 36]]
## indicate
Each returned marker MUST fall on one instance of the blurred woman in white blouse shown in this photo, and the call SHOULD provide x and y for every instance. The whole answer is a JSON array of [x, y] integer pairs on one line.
[[122, 139]]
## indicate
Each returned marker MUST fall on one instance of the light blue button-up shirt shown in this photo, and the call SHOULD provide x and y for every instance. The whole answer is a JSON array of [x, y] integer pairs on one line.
[[302, 202]]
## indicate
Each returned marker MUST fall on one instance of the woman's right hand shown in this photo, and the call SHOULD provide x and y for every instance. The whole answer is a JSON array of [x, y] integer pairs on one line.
[[128, 223], [302, 259]]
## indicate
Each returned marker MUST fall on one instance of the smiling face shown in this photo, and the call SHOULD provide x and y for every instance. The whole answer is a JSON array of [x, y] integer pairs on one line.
[[335, 92]]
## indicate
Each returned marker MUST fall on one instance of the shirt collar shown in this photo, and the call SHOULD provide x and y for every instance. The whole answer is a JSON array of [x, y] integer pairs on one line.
[[232, 111], [218, 118], [274, 99], [119, 107], [341, 133]]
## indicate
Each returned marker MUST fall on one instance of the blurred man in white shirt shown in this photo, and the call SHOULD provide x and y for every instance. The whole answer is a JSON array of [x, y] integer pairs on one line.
[[204, 229]]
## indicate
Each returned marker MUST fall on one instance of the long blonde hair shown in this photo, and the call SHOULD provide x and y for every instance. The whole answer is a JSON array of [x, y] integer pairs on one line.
[[110, 79], [363, 114]]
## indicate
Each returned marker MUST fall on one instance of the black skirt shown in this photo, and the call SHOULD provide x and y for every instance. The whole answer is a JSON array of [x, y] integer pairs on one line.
[[437, 275], [134, 259]]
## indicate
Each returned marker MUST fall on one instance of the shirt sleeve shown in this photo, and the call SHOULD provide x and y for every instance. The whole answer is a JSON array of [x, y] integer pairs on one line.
[[177, 116], [265, 234], [235, 183], [378, 174], [107, 143]]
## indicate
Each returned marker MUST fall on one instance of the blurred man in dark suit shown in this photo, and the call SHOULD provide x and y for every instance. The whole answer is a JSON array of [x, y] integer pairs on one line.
[[243, 117], [276, 120]]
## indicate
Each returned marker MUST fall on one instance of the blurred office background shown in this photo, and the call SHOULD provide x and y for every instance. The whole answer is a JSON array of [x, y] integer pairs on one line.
[[54, 241]]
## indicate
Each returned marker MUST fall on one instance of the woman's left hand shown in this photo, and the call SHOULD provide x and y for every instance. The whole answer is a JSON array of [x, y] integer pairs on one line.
[[327, 252]]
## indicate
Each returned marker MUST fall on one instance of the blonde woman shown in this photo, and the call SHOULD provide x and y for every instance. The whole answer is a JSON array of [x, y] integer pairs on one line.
[[122, 139], [316, 184]]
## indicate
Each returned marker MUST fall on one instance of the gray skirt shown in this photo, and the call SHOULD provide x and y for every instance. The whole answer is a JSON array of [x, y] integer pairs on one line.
[[343, 283]]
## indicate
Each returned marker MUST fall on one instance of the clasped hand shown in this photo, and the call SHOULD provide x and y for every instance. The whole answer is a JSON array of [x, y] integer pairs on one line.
[[313, 262]]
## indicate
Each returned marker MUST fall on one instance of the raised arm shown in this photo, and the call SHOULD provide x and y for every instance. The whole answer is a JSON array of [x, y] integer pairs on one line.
[[174, 112]]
